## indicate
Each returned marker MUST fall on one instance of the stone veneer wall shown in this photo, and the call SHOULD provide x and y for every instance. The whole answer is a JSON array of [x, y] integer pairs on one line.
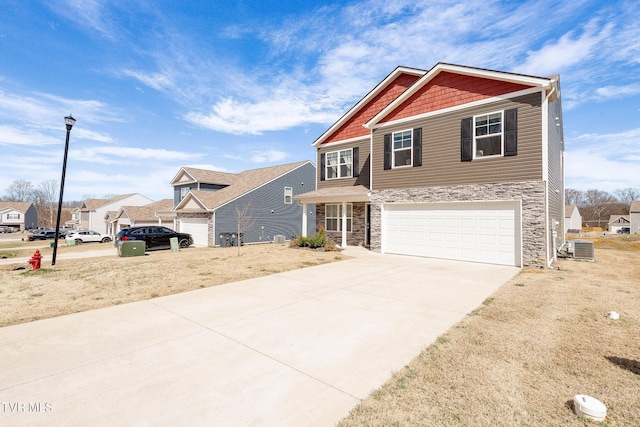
[[532, 195], [358, 225]]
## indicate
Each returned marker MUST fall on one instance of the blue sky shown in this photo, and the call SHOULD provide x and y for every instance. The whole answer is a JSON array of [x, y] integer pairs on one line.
[[156, 85]]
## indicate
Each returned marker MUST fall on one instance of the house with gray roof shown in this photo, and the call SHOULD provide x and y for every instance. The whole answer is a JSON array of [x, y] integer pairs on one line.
[[207, 203], [572, 219], [19, 215], [634, 217], [91, 214], [132, 216]]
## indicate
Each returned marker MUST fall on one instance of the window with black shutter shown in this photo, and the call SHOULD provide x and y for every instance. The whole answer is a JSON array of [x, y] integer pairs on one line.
[[493, 134]]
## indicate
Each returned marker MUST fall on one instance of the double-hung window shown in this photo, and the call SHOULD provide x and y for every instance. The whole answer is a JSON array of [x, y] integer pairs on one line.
[[402, 148], [288, 195], [488, 135], [333, 217], [339, 164]]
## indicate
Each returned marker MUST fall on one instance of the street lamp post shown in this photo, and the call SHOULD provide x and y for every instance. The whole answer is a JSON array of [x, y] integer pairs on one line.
[[69, 121]]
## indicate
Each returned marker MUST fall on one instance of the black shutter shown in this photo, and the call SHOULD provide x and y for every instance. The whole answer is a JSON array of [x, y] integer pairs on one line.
[[356, 163], [466, 140], [322, 166], [511, 132], [387, 151], [417, 147]]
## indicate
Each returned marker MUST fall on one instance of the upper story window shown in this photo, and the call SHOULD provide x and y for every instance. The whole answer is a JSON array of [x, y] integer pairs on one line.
[[488, 135], [183, 192], [402, 144], [288, 195], [339, 164], [13, 216], [403, 149]]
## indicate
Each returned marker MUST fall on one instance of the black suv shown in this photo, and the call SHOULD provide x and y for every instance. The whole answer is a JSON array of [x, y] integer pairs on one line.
[[156, 237]]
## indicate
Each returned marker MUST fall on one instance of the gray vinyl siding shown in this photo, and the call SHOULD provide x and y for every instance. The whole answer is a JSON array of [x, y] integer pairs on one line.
[[441, 164], [286, 219], [556, 173], [363, 166]]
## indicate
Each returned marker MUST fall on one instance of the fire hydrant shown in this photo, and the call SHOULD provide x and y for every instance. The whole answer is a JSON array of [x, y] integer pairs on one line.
[[35, 260]]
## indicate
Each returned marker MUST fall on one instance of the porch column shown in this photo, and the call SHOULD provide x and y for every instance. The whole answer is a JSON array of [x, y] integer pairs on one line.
[[304, 220], [344, 225]]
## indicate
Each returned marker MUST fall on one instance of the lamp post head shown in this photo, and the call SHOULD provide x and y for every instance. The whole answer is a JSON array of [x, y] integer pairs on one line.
[[69, 120]]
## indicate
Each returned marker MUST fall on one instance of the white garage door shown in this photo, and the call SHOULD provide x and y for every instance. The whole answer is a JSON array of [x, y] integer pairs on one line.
[[198, 228], [480, 232]]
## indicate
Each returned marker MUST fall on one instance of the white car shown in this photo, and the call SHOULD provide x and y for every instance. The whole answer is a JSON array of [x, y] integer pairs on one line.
[[86, 236]]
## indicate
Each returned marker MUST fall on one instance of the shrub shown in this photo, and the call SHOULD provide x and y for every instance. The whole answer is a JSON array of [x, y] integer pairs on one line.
[[318, 240]]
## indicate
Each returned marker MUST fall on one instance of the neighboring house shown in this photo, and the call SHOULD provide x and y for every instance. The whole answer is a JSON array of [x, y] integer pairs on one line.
[[207, 202], [132, 216], [572, 219], [618, 222], [455, 162], [91, 214], [21, 215], [634, 217]]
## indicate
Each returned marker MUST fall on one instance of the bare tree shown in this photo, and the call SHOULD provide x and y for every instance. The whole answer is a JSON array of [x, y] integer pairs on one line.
[[597, 205], [44, 198], [626, 196], [244, 221], [573, 197], [20, 190]]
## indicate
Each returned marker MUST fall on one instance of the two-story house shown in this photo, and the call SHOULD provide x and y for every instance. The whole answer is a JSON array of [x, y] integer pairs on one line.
[[19, 215], [91, 215], [209, 204], [455, 162]]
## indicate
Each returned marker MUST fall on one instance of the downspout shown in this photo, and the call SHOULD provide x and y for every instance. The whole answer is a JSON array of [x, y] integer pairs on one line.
[[545, 167]]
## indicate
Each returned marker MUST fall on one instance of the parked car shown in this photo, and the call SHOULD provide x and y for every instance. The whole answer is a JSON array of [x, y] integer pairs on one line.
[[44, 235], [624, 230], [86, 236], [155, 237]]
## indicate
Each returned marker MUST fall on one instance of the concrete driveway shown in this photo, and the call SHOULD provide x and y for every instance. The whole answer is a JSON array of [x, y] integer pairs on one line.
[[300, 348]]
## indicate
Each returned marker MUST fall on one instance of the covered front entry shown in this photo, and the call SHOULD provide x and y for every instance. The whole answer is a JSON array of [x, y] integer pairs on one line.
[[198, 228], [488, 232]]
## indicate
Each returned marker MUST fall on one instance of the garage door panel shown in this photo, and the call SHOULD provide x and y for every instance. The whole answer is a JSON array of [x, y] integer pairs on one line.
[[198, 228], [482, 232]]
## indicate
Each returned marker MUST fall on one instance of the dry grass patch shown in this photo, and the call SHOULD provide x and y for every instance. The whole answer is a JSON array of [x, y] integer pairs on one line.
[[85, 284], [522, 356]]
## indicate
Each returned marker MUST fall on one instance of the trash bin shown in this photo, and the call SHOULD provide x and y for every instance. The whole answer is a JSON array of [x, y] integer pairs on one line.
[[131, 248], [70, 242], [52, 244]]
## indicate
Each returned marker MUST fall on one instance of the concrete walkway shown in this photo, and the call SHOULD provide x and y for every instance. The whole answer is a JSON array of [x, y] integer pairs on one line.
[[300, 348]]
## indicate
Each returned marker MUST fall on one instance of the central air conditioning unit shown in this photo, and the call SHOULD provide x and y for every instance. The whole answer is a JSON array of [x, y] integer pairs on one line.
[[278, 238], [583, 250]]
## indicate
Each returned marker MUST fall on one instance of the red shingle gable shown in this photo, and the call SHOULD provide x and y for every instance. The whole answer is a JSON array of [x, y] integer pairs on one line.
[[353, 127], [449, 90]]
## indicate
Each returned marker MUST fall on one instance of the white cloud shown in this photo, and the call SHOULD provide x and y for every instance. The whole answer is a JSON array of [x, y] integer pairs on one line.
[[12, 135], [133, 155], [568, 51], [156, 81], [268, 156], [591, 162], [618, 91], [235, 117]]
